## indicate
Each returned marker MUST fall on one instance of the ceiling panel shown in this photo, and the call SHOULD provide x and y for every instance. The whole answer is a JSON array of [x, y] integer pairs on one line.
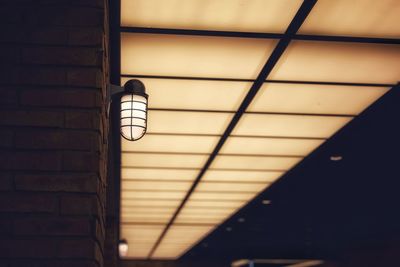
[[181, 55], [270, 146], [158, 174], [180, 122], [289, 125], [141, 209], [254, 162], [365, 18], [223, 15], [339, 62], [171, 143], [315, 98], [147, 218], [140, 238], [221, 196], [168, 203], [173, 195], [235, 175], [156, 185], [213, 204], [180, 238], [230, 187], [194, 94], [162, 160]]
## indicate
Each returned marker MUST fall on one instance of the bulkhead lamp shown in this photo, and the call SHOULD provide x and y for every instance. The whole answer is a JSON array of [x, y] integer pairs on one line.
[[133, 110], [123, 248]]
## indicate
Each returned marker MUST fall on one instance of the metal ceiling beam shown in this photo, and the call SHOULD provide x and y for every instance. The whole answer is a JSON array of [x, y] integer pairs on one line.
[[283, 43], [252, 80], [259, 35]]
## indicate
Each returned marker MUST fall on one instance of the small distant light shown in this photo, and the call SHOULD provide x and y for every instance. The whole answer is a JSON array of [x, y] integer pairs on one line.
[[228, 229], [266, 202], [336, 158], [205, 244], [123, 248], [241, 220]]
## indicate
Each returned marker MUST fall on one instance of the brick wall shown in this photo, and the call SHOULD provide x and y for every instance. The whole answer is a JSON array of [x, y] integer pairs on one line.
[[53, 137]]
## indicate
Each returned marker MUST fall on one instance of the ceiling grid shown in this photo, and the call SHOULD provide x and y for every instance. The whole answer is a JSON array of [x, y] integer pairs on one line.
[[240, 92]]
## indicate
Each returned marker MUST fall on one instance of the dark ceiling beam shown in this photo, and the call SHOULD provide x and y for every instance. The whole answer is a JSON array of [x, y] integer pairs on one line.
[[252, 80], [202, 33], [247, 112], [259, 35], [283, 43]]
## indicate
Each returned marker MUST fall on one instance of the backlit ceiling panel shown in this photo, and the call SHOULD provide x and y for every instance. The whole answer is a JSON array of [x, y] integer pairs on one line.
[[210, 148]]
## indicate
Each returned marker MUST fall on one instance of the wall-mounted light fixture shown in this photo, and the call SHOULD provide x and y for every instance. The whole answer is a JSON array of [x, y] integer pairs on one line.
[[123, 248], [133, 109]]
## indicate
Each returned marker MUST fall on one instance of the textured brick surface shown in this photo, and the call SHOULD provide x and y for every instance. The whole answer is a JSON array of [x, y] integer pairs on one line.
[[53, 132]]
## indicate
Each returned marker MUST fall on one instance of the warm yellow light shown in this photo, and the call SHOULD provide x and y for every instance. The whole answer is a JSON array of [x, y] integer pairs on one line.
[[254, 162], [156, 185], [245, 175], [315, 98], [169, 203], [171, 143], [179, 55], [180, 122], [218, 196], [162, 160], [180, 238], [195, 94], [362, 18], [230, 187], [270, 146], [174, 195], [158, 174], [225, 15], [289, 125], [229, 204], [150, 218], [339, 62], [141, 238]]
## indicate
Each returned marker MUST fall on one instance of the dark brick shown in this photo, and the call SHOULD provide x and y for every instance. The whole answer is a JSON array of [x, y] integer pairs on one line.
[[10, 54], [12, 202], [41, 75], [52, 226], [6, 181], [61, 98], [6, 227], [80, 161], [31, 118], [100, 232], [6, 138], [10, 15], [32, 160], [46, 35], [80, 205], [88, 77], [86, 36], [82, 120], [57, 139], [57, 182], [8, 97], [61, 56], [85, 3], [65, 16], [46, 248], [50, 263]]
